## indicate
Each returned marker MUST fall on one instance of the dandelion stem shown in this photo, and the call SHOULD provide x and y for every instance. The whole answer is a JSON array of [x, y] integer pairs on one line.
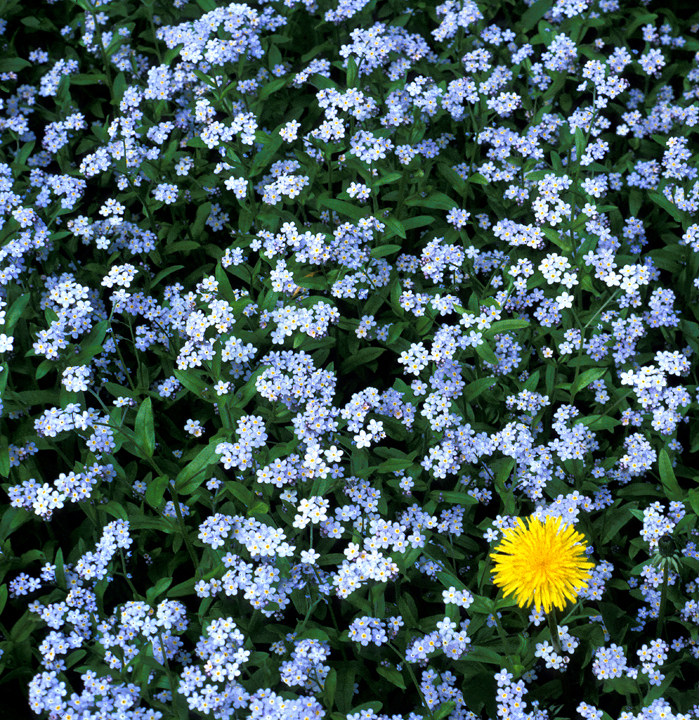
[[553, 627]]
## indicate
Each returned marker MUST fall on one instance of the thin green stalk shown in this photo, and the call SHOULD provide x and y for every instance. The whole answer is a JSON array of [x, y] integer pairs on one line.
[[663, 601], [171, 676], [126, 574], [503, 638], [103, 52], [337, 627], [582, 334], [178, 512], [132, 187], [183, 528], [553, 627], [412, 676]]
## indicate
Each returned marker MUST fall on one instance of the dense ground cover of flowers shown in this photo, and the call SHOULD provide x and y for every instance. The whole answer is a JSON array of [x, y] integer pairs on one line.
[[349, 359]]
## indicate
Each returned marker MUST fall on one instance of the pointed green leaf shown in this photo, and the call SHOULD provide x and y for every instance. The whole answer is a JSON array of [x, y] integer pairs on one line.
[[145, 431], [193, 475], [668, 479], [486, 352], [156, 491], [392, 675], [584, 379]]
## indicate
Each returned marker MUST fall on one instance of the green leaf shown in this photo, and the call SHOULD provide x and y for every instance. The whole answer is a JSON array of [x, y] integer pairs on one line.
[[597, 422], [393, 676], [88, 79], [203, 212], [269, 151], [584, 379], [119, 88], [183, 245], [478, 179], [164, 273], [158, 589], [341, 206], [501, 326], [557, 239], [4, 456], [477, 387], [619, 518], [115, 509], [394, 464], [668, 479], [271, 87], [15, 312], [13, 65], [329, 687], [445, 709], [452, 177], [418, 221], [454, 496], [352, 72], [119, 391], [192, 382], [486, 352], [387, 179], [24, 627], [92, 345], [193, 475], [156, 491], [144, 429], [60, 570], [395, 226], [13, 519], [364, 356], [383, 250], [478, 653], [694, 501], [248, 391], [141, 522], [437, 201], [184, 588], [670, 208]]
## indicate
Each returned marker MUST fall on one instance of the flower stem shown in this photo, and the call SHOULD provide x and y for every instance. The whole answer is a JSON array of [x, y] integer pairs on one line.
[[503, 637], [412, 676], [553, 627], [663, 601]]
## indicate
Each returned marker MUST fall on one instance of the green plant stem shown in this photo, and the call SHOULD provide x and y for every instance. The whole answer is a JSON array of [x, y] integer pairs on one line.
[[183, 528], [126, 574], [582, 334], [663, 601], [553, 627], [412, 676], [102, 49], [132, 187], [121, 357], [503, 638], [175, 501]]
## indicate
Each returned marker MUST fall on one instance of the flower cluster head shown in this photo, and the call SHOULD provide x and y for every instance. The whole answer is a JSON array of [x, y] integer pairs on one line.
[[543, 563], [609, 662], [554, 659], [365, 630], [306, 667]]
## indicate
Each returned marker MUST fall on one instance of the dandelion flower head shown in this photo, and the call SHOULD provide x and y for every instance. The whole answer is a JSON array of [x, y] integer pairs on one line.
[[543, 563]]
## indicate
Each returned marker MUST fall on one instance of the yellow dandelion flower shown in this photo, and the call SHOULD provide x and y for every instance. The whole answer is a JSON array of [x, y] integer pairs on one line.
[[544, 563]]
